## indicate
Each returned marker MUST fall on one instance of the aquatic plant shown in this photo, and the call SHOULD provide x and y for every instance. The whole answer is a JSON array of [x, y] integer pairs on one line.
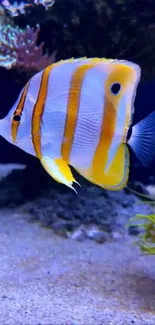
[[146, 239], [19, 49]]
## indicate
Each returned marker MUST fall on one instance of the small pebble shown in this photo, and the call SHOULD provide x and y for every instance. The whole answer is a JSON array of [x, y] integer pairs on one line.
[[94, 232], [62, 228], [79, 234]]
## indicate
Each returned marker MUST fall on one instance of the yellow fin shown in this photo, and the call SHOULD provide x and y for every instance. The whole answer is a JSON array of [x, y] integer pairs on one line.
[[59, 170], [117, 175]]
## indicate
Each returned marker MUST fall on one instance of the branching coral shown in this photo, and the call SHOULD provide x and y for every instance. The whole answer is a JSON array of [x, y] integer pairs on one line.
[[116, 28], [98, 28], [15, 8], [18, 49], [4, 17]]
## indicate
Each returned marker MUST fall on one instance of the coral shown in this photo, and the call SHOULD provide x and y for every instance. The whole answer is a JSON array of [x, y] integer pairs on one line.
[[118, 29], [19, 49], [4, 17], [15, 8]]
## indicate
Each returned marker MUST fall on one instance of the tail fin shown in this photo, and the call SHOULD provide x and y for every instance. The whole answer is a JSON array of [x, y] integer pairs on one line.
[[142, 140]]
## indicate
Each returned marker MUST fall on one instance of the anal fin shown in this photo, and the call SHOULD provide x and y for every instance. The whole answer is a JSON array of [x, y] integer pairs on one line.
[[59, 170], [116, 177]]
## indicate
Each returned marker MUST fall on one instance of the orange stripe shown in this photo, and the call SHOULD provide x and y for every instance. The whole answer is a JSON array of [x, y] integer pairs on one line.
[[39, 109], [73, 108], [18, 112], [107, 131], [111, 103]]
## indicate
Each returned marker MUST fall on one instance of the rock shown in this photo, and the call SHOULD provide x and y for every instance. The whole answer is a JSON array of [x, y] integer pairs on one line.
[[94, 213], [79, 234], [62, 228], [6, 169], [94, 232], [117, 235]]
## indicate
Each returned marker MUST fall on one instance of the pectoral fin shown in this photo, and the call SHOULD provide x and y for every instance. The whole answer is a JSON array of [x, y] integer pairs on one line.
[[59, 170]]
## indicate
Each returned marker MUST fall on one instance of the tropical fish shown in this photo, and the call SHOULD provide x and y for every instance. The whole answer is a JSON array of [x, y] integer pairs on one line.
[[78, 112]]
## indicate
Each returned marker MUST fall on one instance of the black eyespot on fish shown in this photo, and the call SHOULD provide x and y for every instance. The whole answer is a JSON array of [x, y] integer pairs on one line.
[[115, 88], [17, 118]]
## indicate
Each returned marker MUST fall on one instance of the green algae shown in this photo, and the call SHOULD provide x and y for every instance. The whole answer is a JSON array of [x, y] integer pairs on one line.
[[146, 225]]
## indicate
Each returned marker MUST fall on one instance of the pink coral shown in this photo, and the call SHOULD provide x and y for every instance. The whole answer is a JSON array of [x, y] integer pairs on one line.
[[18, 49]]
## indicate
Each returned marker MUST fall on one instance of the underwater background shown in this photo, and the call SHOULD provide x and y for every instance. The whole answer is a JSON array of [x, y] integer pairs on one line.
[[75, 28], [112, 29]]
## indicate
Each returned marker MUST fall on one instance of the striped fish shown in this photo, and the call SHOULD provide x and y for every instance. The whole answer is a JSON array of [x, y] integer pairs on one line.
[[78, 112]]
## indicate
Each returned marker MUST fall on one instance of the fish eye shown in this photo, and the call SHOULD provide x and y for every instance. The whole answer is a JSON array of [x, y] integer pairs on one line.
[[17, 118], [115, 88]]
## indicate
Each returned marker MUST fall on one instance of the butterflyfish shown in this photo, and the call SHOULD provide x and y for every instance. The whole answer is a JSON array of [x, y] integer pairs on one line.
[[78, 113]]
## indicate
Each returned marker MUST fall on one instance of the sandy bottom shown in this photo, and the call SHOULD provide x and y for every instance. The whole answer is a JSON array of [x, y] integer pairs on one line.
[[45, 279]]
